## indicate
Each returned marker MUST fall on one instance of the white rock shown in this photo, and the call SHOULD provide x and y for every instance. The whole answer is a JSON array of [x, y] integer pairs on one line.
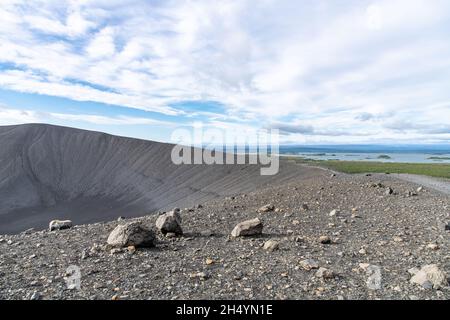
[[430, 276], [60, 225]]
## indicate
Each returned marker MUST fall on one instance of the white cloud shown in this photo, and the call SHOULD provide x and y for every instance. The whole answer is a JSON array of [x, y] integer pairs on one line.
[[102, 46], [298, 63], [12, 116]]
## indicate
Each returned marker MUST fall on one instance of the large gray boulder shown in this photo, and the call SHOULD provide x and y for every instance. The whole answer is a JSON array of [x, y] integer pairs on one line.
[[132, 234], [248, 228], [170, 222]]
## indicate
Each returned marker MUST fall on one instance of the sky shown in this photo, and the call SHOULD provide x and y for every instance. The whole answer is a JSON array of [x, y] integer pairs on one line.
[[322, 72]]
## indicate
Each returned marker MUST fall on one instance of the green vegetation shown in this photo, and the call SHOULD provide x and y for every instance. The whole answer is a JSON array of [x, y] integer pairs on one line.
[[318, 154], [439, 158], [427, 169], [384, 156]]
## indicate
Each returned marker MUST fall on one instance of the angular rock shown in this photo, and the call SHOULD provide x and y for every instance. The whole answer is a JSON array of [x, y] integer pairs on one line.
[[271, 245], [325, 239], [131, 234], [309, 264], [389, 191], [430, 276], [170, 222], [35, 296], [60, 225], [325, 273], [267, 208], [248, 228], [333, 213]]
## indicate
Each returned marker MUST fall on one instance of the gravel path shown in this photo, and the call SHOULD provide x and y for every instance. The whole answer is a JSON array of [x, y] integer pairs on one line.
[[441, 185]]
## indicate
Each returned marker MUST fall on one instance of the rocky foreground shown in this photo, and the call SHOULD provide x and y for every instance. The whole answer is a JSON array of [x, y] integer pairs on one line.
[[327, 237]]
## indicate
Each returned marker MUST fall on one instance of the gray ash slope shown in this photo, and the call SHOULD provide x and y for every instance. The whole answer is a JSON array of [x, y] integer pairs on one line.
[[49, 172]]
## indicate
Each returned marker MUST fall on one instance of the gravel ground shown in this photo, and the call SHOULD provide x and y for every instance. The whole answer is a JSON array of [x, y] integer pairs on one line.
[[392, 233]]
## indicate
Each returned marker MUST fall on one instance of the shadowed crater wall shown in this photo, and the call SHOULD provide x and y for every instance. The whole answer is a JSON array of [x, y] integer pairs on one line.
[[49, 172]]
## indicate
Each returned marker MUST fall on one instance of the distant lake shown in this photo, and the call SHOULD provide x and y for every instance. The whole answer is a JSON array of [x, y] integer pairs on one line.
[[379, 153]]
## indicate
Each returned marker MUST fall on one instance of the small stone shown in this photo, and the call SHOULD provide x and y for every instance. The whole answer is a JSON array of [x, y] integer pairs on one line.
[[35, 296], [325, 273], [324, 239], [430, 276], [305, 206], [309, 264], [199, 275], [59, 225], [397, 239], [248, 228], [266, 208], [419, 189], [131, 249], [209, 261], [433, 246], [271, 245], [447, 226], [364, 266], [170, 222], [115, 251], [295, 222], [362, 251], [171, 235], [389, 191], [333, 213]]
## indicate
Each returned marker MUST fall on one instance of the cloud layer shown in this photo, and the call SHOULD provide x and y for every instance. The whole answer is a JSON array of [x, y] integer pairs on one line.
[[346, 71]]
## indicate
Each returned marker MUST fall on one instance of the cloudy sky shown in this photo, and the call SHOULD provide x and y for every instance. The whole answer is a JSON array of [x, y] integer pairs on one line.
[[320, 71]]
